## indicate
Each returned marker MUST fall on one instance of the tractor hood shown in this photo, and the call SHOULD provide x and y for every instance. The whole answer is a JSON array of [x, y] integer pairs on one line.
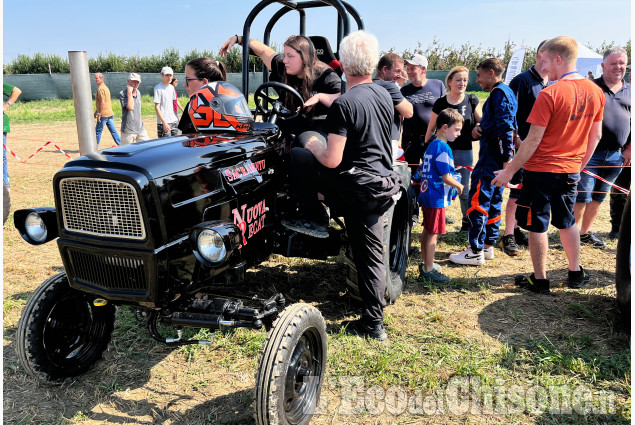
[[172, 155]]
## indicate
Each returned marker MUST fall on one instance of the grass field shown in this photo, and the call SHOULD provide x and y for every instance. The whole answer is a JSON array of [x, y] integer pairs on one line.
[[475, 351]]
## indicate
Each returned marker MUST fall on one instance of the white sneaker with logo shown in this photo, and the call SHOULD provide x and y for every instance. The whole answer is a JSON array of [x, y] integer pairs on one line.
[[488, 253], [468, 258]]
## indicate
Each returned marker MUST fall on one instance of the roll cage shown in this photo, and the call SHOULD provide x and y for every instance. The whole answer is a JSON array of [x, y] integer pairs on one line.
[[344, 9]]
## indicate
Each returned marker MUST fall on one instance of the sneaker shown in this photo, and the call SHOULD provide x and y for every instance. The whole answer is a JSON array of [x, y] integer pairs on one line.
[[433, 276], [578, 279], [468, 257], [414, 250], [508, 245], [521, 237], [435, 266], [592, 240], [465, 225], [359, 328], [305, 227], [614, 234], [488, 253], [449, 220], [539, 286]]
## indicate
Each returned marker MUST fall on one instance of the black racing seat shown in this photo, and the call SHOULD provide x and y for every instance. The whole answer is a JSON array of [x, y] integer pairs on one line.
[[325, 54]]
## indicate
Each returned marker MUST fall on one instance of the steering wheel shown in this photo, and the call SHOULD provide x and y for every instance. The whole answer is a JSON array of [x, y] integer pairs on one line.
[[273, 107]]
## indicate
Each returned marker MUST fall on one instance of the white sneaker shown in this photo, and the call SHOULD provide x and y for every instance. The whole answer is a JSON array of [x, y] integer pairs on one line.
[[488, 253], [468, 258]]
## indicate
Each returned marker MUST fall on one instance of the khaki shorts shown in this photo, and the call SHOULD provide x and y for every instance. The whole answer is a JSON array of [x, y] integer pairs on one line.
[[127, 138]]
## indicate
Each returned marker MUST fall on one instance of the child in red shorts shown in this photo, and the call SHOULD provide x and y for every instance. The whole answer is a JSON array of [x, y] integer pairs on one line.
[[436, 177]]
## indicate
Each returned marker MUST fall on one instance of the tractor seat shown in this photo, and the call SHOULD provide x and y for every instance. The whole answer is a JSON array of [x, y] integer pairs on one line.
[[325, 54]]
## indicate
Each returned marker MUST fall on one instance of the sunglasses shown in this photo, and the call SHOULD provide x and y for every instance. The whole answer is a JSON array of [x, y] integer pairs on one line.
[[187, 80]]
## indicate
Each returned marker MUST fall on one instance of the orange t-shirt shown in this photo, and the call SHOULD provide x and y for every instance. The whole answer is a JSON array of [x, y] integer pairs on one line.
[[104, 93], [567, 109]]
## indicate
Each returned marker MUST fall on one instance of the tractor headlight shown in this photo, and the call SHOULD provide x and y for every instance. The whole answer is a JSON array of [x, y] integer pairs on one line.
[[214, 242], [35, 227], [211, 246]]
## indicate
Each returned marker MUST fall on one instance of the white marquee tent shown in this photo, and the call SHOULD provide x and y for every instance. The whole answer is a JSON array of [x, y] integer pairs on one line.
[[587, 61]]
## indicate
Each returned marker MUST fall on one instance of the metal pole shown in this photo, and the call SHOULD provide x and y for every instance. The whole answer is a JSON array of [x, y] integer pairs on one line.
[[83, 99]]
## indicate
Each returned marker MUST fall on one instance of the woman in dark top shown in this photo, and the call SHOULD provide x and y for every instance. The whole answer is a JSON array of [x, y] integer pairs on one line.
[[299, 68], [456, 82], [199, 72]]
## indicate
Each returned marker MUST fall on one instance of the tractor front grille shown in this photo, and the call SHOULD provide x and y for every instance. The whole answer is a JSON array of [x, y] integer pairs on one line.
[[110, 272], [101, 207]]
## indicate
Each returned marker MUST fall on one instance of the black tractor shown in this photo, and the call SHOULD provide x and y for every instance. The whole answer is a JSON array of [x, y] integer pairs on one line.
[[169, 227]]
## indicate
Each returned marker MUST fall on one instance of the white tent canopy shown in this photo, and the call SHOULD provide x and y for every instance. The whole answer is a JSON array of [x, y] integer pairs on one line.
[[587, 61]]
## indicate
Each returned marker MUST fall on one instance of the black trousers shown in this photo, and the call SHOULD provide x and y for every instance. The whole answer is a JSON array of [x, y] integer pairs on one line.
[[618, 199], [365, 228]]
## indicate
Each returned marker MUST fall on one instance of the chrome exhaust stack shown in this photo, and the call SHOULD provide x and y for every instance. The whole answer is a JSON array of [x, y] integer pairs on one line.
[[83, 99]]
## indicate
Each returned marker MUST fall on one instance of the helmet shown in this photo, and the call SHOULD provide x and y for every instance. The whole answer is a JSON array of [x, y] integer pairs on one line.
[[220, 106]]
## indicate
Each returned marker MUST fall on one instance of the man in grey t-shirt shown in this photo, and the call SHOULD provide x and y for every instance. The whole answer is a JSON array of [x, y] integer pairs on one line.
[[132, 129]]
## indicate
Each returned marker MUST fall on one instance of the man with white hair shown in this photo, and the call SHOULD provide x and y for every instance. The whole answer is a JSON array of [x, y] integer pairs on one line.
[[612, 152], [354, 172]]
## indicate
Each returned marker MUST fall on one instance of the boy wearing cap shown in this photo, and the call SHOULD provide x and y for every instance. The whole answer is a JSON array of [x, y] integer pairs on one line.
[[132, 129], [164, 97]]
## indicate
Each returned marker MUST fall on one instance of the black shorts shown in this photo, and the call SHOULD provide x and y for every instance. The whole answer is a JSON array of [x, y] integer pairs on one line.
[[517, 178], [544, 195]]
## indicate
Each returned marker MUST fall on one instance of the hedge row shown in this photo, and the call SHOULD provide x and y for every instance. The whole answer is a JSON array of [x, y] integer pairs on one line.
[[42, 63], [440, 57]]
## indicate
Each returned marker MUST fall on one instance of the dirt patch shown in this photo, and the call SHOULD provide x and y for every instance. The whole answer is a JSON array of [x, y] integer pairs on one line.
[[139, 381]]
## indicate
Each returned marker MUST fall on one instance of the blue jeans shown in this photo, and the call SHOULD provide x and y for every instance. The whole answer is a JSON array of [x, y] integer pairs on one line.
[[590, 184], [5, 165], [110, 122]]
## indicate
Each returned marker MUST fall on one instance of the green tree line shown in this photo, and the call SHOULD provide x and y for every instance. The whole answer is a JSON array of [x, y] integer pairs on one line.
[[440, 57]]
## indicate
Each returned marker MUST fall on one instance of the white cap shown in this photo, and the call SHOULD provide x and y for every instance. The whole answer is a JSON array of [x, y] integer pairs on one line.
[[166, 70], [134, 77], [417, 60]]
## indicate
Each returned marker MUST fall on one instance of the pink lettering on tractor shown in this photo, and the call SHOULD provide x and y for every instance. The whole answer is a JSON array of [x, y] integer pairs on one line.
[[250, 220]]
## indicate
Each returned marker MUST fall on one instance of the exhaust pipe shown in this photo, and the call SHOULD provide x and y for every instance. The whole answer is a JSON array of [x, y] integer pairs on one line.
[[83, 99]]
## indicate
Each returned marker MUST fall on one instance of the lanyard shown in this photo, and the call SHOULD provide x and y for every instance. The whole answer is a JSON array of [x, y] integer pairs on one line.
[[572, 72]]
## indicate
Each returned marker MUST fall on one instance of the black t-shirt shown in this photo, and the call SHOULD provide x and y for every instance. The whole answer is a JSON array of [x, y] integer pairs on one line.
[[464, 141], [422, 99], [397, 98], [364, 116], [328, 82], [185, 124], [526, 87]]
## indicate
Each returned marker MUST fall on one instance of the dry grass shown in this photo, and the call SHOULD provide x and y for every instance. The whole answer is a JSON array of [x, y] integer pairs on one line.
[[480, 325]]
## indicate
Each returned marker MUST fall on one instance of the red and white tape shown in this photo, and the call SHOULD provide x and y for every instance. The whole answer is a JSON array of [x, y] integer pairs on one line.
[[620, 189], [11, 152], [42, 147]]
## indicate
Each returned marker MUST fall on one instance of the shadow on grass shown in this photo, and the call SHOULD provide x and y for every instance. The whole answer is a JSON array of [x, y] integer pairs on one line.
[[577, 338]]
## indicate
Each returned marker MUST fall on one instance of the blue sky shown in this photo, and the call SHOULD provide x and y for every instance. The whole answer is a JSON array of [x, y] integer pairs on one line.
[[148, 27]]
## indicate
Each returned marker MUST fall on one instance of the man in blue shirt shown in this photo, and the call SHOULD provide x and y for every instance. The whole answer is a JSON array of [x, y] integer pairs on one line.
[[496, 134]]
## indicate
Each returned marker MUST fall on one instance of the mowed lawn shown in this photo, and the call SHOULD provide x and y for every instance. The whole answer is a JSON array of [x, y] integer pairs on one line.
[[478, 350]]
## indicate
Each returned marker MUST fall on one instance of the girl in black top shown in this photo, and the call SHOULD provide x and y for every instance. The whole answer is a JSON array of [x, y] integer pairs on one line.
[[456, 98], [299, 68]]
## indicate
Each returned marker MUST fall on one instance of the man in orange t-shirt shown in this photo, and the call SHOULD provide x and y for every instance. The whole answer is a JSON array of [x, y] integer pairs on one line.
[[566, 126], [103, 110]]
